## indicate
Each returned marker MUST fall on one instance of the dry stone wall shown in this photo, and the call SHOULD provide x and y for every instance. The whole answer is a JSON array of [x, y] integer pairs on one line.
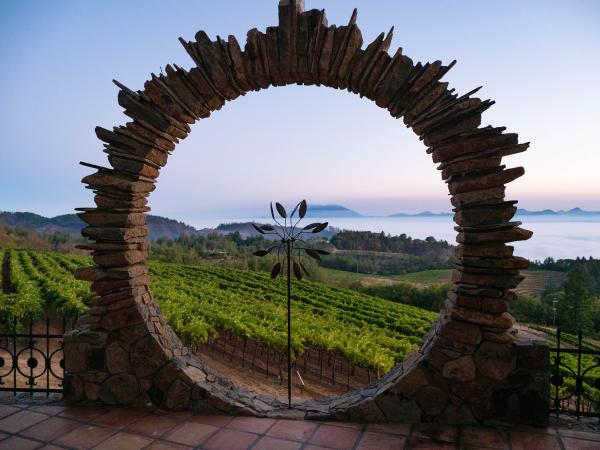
[[470, 367]]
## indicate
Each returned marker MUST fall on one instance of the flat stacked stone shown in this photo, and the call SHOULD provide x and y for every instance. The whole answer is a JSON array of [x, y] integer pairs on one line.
[[123, 351]]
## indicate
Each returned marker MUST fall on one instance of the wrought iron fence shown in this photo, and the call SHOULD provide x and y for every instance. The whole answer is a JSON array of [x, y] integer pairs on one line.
[[575, 376], [32, 356]]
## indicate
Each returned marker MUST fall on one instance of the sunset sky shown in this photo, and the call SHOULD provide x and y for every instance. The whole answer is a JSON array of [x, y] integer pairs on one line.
[[538, 59]]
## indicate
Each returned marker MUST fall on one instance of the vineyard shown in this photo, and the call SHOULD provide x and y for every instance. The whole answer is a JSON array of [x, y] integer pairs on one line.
[[201, 301]]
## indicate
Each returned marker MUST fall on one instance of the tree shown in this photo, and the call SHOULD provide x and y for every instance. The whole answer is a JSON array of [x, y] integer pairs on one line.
[[575, 307]]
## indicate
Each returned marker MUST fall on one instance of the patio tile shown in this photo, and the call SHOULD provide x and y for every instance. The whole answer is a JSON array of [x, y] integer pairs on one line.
[[84, 437], [190, 433], [377, 441], [153, 425], [227, 439], [19, 443], [120, 418], [125, 441], [295, 430], [435, 432], [164, 445], [208, 419], [483, 437], [50, 447], [83, 412], [269, 443], [579, 434], [334, 437], [6, 410], [21, 420], [316, 447], [50, 429], [393, 428], [522, 440], [251, 424], [51, 410], [579, 444]]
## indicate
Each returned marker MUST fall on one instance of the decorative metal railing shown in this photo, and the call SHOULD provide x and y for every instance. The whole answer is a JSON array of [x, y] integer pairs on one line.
[[32, 356], [575, 376]]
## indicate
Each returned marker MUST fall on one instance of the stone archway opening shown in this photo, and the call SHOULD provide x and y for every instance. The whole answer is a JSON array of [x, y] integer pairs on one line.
[[470, 367]]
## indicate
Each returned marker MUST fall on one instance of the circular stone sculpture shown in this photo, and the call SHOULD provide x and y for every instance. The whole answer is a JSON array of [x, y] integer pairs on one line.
[[469, 369]]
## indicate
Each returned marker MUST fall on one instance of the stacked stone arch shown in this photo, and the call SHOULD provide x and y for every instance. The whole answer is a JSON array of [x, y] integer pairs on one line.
[[470, 368]]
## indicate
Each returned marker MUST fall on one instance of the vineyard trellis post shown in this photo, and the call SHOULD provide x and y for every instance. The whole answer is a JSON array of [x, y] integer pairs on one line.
[[288, 238]]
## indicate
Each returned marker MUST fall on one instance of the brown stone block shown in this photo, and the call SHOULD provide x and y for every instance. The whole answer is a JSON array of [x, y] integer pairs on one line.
[[494, 305], [507, 235], [362, 62], [371, 78], [115, 234], [156, 138], [166, 101], [432, 400], [176, 80], [495, 361], [118, 182], [515, 262], [394, 80], [325, 56], [76, 356], [493, 281], [107, 285], [117, 359], [133, 166], [115, 320], [127, 272], [424, 102], [502, 321], [417, 87], [490, 196], [90, 273], [470, 166], [289, 10], [477, 183], [253, 62], [213, 99], [119, 259], [147, 356], [178, 396], [461, 332], [460, 369], [108, 201], [101, 218], [474, 145], [485, 215], [354, 44], [446, 115], [122, 389], [489, 250], [126, 144]]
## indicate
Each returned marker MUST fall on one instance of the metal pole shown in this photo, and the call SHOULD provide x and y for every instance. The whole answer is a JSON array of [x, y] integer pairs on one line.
[[289, 308]]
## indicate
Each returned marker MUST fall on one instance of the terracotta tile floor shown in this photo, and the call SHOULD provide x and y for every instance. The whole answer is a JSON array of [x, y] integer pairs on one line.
[[30, 426]]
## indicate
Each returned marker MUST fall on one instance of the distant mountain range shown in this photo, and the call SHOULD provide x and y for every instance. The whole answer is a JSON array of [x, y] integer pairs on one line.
[[163, 227], [71, 224]]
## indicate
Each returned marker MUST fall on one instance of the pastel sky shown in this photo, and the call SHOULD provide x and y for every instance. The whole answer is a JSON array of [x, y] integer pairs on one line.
[[538, 59]]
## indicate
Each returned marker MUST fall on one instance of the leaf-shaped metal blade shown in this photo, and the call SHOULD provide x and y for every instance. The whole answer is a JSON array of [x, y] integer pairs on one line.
[[297, 271], [260, 253], [320, 227], [275, 270], [281, 210], [272, 213], [302, 211], [267, 228], [294, 211], [313, 254], [304, 269], [258, 229], [321, 252], [311, 226]]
